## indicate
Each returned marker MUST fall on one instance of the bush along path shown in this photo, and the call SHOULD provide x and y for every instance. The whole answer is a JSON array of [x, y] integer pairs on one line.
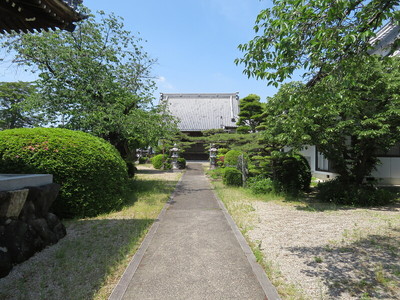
[[92, 174]]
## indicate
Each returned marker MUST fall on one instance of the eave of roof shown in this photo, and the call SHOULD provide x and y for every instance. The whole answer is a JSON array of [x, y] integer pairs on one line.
[[384, 39], [30, 15]]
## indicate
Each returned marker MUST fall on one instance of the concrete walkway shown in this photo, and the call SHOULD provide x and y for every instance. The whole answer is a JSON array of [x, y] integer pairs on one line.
[[194, 251]]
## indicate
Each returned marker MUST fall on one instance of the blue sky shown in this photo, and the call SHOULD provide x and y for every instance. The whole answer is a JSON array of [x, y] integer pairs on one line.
[[194, 41]]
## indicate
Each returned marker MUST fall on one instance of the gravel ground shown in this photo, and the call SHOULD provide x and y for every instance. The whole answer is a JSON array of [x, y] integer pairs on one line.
[[331, 254]]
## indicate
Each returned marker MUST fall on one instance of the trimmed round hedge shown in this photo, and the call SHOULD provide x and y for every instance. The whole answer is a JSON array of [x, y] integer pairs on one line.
[[92, 174], [232, 176], [231, 158], [292, 172], [161, 161]]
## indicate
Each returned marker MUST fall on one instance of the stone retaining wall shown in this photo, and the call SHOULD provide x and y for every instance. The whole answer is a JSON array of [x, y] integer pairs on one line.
[[26, 225]]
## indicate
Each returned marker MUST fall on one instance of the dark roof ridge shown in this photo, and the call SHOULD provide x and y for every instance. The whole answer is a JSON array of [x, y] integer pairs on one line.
[[198, 95]]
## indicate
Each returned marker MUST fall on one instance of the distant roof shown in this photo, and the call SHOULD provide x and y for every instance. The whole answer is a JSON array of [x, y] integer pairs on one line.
[[198, 112], [29, 15], [384, 40]]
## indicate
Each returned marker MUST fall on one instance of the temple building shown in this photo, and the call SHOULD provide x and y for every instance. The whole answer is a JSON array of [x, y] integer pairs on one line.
[[200, 112]]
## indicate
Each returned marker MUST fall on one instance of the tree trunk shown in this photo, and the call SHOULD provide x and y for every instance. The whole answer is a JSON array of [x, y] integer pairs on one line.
[[119, 143]]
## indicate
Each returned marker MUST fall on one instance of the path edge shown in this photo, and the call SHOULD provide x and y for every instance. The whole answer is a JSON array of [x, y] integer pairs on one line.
[[122, 285], [269, 289]]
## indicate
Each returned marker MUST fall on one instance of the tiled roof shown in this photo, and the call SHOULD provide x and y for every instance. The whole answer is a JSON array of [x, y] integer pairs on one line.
[[384, 39], [30, 15], [197, 112]]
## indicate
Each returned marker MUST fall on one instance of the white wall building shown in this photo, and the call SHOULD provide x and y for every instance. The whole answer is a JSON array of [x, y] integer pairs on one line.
[[387, 171]]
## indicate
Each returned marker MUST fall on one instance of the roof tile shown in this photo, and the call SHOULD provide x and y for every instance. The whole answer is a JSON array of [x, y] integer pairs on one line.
[[198, 112]]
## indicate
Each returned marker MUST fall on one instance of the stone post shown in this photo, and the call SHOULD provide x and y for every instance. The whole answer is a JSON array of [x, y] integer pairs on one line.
[[213, 156], [175, 156]]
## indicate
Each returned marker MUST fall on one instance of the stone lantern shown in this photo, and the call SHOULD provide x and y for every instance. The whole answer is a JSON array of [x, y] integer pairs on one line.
[[213, 156], [175, 156]]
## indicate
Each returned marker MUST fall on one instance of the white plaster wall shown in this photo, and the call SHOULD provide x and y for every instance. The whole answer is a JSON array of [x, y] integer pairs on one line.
[[309, 153], [388, 172], [324, 175]]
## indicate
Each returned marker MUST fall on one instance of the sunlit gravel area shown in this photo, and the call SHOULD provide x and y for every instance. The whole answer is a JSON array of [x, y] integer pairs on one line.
[[331, 254]]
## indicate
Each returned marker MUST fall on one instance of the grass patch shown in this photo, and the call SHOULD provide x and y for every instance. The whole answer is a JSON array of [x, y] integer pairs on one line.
[[89, 261]]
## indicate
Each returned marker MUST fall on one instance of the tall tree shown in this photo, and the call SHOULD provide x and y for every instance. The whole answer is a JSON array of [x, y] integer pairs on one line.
[[96, 79], [14, 105], [250, 110], [284, 118], [313, 35], [350, 117]]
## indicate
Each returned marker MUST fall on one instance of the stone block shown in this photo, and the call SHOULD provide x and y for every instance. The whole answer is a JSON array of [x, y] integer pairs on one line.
[[43, 197], [19, 239], [26, 226], [12, 202], [44, 231], [10, 182], [27, 212], [5, 262], [52, 220]]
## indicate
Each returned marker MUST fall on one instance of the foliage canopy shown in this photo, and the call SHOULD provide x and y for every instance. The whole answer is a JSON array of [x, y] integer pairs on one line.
[[351, 118], [312, 34], [250, 110], [14, 105], [96, 79]]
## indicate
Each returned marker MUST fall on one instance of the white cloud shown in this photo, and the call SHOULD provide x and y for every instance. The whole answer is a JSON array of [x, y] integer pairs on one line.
[[164, 84], [232, 10]]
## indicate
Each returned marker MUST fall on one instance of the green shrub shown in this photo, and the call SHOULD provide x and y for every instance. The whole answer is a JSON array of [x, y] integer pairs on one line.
[[255, 171], [181, 163], [290, 172], [161, 161], [243, 129], [222, 151], [338, 192], [143, 159], [260, 185], [91, 172], [257, 166], [231, 158], [232, 176], [217, 173]]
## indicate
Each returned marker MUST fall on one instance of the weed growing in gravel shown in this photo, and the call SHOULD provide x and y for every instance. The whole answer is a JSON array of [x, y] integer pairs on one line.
[[318, 259], [365, 296]]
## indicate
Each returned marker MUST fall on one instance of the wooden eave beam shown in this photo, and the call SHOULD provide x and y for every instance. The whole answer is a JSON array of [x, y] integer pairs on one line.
[[24, 15]]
